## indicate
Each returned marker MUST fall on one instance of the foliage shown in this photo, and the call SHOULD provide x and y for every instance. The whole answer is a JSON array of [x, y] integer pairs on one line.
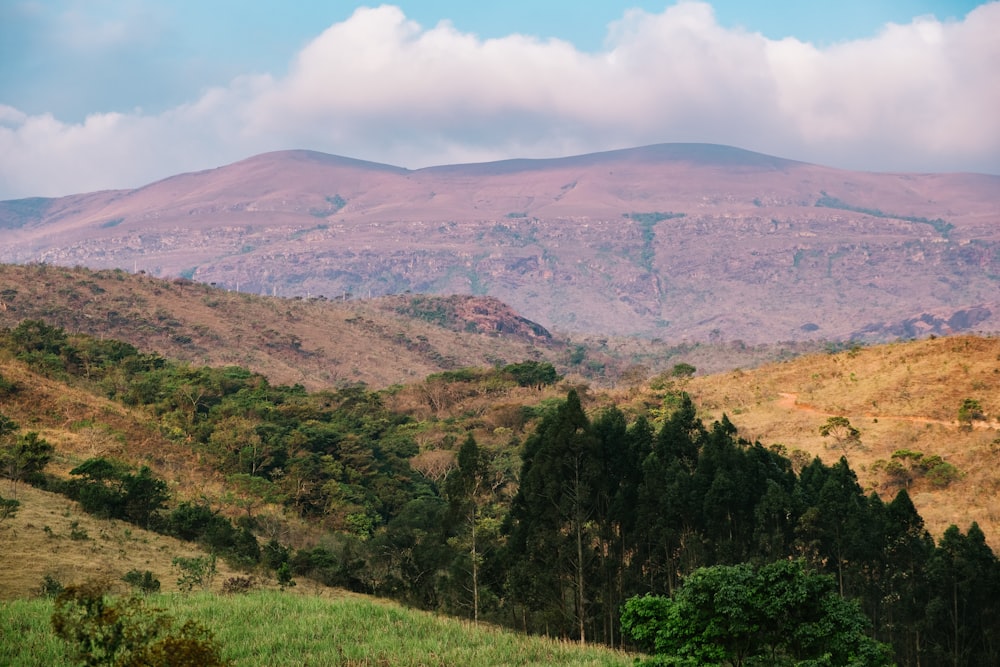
[[197, 522], [108, 488], [842, 431], [8, 508], [284, 574], [127, 633], [239, 585], [682, 370], [144, 581], [970, 410], [280, 630], [734, 614], [906, 466], [195, 571], [532, 373], [26, 457], [50, 587], [608, 504], [939, 225], [22, 456]]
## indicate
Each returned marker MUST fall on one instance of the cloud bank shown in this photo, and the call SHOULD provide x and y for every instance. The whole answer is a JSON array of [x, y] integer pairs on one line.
[[917, 97]]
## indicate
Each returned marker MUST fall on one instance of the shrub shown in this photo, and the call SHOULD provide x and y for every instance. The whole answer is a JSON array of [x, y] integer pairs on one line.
[[234, 585], [197, 571], [275, 554], [8, 508], [285, 577], [144, 582], [50, 587], [128, 634]]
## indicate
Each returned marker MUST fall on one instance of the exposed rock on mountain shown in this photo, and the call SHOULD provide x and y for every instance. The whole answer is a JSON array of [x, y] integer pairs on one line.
[[675, 241]]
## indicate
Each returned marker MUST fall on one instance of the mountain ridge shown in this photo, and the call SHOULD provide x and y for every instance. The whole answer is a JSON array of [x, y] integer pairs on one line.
[[683, 242]]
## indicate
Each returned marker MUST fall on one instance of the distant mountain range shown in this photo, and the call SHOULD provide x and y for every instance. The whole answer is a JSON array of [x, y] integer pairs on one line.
[[674, 241]]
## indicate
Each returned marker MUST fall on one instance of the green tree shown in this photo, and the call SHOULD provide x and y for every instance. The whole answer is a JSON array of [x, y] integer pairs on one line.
[[195, 571], [682, 370], [777, 614], [963, 613], [8, 508], [532, 373], [22, 458], [550, 515], [108, 488], [466, 489], [970, 410], [844, 435]]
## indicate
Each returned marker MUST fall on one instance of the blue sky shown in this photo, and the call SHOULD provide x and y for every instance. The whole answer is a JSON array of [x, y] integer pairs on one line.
[[116, 93]]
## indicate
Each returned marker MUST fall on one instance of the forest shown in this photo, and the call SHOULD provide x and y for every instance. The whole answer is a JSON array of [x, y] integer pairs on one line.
[[603, 526]]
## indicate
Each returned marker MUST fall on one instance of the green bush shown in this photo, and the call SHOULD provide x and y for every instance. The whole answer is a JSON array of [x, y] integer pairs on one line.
[[128, 634], [197, 571], [144, 582]]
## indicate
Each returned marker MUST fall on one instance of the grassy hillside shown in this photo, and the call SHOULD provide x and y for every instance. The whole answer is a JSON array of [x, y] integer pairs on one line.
[[907, 403], [900, 396], [51, 537], [273, 628]]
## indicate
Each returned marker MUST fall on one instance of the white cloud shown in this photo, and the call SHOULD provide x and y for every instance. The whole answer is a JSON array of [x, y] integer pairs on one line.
[[920, 97]]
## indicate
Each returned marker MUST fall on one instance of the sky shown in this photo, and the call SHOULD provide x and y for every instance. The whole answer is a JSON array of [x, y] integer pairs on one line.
[[101, 94]]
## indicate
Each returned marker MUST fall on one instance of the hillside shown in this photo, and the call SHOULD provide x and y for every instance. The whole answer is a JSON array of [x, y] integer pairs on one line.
[[900, 396], [682, 242], [323, 343], [400, 492]]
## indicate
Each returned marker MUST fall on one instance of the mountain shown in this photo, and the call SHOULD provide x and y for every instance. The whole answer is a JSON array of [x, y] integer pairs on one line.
[[681, 242]]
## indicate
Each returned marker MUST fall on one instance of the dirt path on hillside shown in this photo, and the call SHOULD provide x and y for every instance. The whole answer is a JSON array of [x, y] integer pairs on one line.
[[790, 401]]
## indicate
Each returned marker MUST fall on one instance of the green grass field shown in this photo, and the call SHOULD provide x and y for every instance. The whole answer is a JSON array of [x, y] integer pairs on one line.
[[274, 628]]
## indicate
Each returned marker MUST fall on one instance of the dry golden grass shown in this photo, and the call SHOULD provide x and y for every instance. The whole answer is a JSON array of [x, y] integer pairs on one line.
[[50, 535], [900, 396]]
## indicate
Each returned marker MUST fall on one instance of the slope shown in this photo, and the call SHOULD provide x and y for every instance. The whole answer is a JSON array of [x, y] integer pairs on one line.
[[902, 397], [685, 242]]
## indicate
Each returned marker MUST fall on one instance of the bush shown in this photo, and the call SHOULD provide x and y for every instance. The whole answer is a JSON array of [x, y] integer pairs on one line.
[[199, 523], [50, 587], [128, 634], [234, 585], [275, 554], [285, 577], [144, 582], [198, 571]]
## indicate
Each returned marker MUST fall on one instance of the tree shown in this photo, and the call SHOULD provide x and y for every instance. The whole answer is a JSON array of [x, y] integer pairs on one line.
[[532, 373], [465, 489], [962, 614], [550, 515], [24, 459], [195, 571], [683, 370], [970, 410], [107, 488], [844, 435], [778, 614], [8, 508]]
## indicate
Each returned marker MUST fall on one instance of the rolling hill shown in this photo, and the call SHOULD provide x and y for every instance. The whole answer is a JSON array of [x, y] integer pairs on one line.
[[682, 242], [322, 343]]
